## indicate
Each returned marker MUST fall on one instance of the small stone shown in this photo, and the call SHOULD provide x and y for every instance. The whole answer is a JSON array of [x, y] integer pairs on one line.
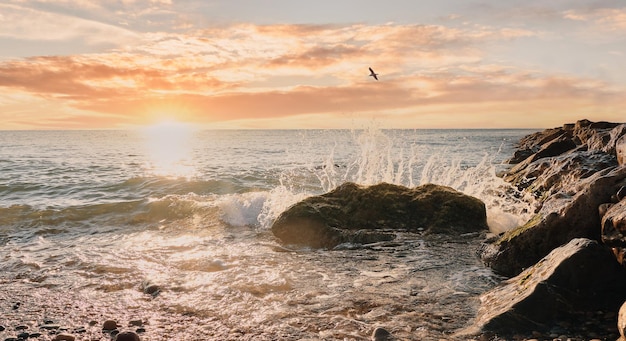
[[135, 323], [150, 288], [381, 334], [23, 335], [109, 325], [50, 326], [141, 330], [64, 337], [16, 305], [127, 336], [21, 327]]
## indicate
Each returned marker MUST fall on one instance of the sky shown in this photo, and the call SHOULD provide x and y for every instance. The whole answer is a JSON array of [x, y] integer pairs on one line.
[[278, 64]]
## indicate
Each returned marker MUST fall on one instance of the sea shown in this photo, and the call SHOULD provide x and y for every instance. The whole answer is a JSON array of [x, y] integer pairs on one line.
[[167, 231]]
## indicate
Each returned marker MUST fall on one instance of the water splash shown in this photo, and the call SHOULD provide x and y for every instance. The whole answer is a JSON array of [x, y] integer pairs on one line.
[[381, 158]]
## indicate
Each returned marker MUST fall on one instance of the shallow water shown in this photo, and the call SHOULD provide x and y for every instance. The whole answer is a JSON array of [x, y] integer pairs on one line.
[[87, 218]]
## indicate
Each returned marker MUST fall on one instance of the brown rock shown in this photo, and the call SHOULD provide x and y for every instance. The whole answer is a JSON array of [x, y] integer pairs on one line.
[[563, 217], [109, 325], [603, 208], [127, 336], [352, 213], [614, 225], [581, 276], [620, 150], [64, 337]]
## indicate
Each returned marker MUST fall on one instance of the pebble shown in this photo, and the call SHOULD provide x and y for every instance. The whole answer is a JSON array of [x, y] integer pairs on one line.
[[109, 325], [135, 323], [127, 336], [381, 334], [2, 328], [64, 337], [50, 326]]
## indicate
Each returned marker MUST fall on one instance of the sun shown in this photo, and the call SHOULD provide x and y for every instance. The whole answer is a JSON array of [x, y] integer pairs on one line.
[[168, 145]]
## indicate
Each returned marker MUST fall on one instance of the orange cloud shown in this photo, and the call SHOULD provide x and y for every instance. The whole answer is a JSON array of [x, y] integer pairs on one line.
[[247, 72]]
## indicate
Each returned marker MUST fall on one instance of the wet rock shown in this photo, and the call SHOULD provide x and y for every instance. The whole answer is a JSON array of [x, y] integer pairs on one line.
[[23, 335], [563, 217], [355, 214], [614, 229], [581, 276], [127, 336], [109, 325], [547, 176], [150, 288], [620, 150], [381, 334]]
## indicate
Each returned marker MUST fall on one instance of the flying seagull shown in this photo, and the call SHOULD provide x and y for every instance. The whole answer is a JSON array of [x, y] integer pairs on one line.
[[373, 74]]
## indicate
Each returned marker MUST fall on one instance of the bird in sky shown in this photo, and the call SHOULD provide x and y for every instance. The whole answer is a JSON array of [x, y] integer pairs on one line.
[[373, 74]]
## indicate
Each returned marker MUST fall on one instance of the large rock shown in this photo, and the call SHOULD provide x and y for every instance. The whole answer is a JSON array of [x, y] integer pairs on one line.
[[564, 216], [620, 150], [572, 280], [352, 213], [614, 225], [584, 134], [543, 177]]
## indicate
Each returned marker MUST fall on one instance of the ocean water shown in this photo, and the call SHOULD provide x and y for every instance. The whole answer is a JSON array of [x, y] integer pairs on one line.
[[89, 218]]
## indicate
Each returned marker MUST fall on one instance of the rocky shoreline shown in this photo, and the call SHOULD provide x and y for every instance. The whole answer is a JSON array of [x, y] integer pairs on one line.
[[565, 266], [566, 262]]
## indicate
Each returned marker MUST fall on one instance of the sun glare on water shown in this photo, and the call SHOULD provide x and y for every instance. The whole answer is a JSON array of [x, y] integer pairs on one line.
[[168, 146]]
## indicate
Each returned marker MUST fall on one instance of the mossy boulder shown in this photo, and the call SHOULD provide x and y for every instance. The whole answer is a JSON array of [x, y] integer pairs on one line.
[[359, 214]]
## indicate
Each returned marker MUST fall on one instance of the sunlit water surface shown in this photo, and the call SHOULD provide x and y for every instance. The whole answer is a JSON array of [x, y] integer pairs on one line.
[[89, 218]]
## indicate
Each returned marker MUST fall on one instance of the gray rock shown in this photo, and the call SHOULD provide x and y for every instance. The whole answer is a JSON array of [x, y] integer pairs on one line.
[[355, 214], [581, 276], [381, 334]]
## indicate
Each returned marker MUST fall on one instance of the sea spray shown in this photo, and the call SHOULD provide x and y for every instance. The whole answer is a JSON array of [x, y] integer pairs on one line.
[[380, 158]]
